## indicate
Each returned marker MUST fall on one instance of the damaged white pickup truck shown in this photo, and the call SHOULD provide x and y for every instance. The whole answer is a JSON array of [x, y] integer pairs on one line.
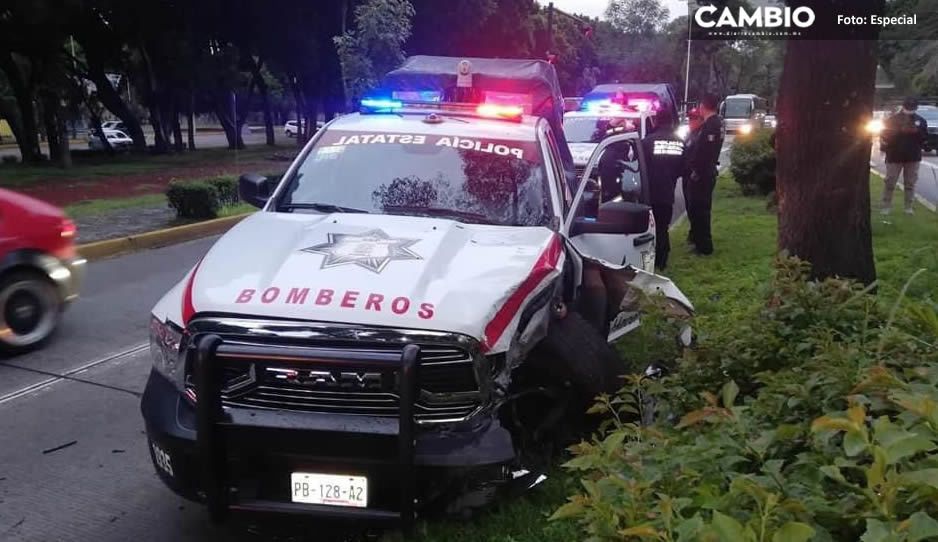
[[422, 304]]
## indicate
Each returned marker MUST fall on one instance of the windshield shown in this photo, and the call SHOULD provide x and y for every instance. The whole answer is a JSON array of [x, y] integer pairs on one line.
[[484, 181], [594, 129], [738, 109]]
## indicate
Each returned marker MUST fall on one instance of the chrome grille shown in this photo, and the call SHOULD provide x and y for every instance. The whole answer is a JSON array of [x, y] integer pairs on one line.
[[447, 381]]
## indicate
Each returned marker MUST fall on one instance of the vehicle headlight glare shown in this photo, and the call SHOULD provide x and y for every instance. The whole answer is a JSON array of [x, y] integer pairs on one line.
[[874, 126], [745, 129], [166, 351]]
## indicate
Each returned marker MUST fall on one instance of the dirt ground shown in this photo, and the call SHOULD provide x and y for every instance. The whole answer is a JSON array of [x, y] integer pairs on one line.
[[69, 191]]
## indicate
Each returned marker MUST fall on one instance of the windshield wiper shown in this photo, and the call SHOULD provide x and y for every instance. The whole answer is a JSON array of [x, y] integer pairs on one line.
[[321, 207], [440, 212]]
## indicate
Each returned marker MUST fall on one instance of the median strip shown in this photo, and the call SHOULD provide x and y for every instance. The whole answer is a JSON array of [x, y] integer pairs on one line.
[[105, 249]]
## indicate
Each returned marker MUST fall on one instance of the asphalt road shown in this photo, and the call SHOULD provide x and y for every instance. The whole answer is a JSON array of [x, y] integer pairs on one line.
[[100, 486], [74, 464], [927, 186], [203, 140]]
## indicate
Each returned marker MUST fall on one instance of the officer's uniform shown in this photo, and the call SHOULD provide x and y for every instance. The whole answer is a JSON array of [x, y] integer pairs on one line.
[[665, 153], [702, 156], [902, 141]]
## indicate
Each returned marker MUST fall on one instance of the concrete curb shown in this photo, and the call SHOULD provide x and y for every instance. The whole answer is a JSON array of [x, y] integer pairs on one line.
[[159, 238]]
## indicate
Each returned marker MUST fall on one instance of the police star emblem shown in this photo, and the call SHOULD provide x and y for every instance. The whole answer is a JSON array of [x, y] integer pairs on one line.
[[371, 250]]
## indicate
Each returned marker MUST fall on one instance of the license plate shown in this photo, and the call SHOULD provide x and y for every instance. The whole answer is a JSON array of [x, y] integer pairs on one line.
[[329, 489]]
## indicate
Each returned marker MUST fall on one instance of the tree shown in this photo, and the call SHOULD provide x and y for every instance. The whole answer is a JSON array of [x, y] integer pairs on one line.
[[374, 46], [823, 159], [637, 17]]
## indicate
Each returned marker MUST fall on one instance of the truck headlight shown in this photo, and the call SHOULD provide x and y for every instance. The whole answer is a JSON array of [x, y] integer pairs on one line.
[[745, 129], [166, 350]]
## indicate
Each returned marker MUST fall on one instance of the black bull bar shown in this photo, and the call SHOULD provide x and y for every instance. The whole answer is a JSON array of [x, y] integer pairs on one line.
[[209, 355]]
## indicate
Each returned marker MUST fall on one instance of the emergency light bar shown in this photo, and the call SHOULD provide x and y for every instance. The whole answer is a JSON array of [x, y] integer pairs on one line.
[[416, 101], [619, 104]]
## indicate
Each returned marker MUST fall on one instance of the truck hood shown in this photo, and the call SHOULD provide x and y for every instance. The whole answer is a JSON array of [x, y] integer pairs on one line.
[[582, 152], [399, 271]]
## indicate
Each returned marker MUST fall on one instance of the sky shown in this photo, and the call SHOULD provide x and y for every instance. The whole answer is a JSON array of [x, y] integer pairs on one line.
[[595, 8]]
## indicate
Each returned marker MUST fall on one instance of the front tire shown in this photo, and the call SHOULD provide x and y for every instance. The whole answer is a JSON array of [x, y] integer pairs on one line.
[[30, 309], [576, 352]]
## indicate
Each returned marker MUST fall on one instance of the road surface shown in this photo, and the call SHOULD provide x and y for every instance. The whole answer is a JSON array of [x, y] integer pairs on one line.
[[927, 187]]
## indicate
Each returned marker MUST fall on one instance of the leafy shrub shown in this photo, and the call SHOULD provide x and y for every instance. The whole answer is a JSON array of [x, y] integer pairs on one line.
[[227, 189], [825, 428], [9, 159], [752, 162], [198, 200]]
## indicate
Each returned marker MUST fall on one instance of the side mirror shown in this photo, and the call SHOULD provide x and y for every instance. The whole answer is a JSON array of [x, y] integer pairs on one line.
[[254, 189], [615, 217]]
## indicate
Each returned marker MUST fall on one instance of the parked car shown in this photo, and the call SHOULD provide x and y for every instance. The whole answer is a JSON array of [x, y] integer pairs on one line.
[[930, 114], [117, 139], [292, 127], [114, 125], [40, 270]]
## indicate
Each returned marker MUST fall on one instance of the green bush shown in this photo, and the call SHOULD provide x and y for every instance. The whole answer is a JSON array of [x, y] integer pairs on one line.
[[197, 200], [227, 188], [752, 162], [825, 428]]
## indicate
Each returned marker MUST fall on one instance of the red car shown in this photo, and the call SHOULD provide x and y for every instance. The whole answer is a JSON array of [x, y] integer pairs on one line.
[[40, 270]]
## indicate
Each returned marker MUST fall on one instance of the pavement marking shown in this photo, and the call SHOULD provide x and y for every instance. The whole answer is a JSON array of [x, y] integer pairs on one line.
[[68, 375]]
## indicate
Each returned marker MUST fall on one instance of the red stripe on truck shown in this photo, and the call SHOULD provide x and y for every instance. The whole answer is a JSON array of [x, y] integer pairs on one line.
[[188, 309], [545, 265]]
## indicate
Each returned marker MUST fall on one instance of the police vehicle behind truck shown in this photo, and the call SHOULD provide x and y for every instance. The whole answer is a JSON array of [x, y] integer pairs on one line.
[[597, 119], [397, 330]]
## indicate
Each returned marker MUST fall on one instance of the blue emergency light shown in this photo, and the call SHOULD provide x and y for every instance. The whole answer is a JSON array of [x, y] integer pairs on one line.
[[380, 105]]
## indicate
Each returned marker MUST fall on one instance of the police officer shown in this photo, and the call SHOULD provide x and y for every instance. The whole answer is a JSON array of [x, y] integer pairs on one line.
[[694, 122], [702, 156], [665, 152], [902, 139]]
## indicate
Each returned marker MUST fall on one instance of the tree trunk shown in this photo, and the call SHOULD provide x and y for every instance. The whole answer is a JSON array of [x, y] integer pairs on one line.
[[268, 114], [111, 99], [28, 140], [823, 174], [53, 118], [298, 101], [224, 110], [190, 120], [177, 129]]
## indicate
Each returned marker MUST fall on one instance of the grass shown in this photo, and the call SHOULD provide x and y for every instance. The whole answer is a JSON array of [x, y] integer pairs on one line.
[[745, 240], [18, 175], [99, 206]]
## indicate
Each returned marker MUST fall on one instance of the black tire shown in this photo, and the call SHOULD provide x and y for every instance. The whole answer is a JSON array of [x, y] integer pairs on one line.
[[575, 352], [30, 309]]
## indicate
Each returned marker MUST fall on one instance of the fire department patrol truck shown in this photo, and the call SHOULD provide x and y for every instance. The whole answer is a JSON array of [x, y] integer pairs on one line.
[[402, 327]]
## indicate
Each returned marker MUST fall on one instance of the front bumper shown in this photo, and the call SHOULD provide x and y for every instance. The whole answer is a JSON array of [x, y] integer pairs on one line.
[[241, 458], [70, 278]]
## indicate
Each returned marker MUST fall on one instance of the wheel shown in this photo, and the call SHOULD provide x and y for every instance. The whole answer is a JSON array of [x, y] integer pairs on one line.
[[576, 352], [30, 309]]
